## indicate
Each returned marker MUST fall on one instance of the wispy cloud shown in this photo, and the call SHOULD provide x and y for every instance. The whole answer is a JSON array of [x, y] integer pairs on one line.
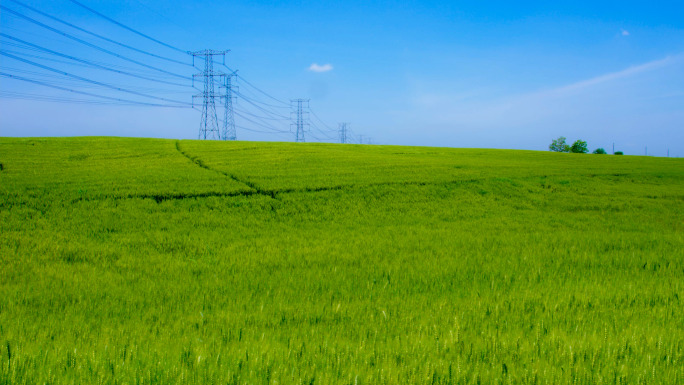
[[554, 101], [553, 105], [624, 32], [315, 67], [631, 71]]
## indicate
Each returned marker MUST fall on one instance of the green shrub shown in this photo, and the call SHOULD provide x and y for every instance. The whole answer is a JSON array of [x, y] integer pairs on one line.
[[618, 153], [559, 145], [599, 151], [579, 147]]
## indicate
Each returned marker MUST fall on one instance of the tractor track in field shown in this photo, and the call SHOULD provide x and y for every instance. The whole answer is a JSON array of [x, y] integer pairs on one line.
[[254, 189], [257, 189], [159, 198], [273, 193], [198, 162], [248, 188]]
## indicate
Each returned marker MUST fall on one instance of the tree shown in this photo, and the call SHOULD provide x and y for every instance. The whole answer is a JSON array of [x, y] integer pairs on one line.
[[579, 147], [618, 152], [600, 151], [559, 145]]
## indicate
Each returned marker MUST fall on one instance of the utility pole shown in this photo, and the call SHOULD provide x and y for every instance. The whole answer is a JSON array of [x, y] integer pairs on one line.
[[209, 126], [343, 132], [613, 148], [229, 132], [298, 110]]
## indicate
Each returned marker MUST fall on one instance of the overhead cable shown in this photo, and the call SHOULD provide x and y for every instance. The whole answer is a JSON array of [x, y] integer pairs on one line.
[[259, 124], [98, 35], [89, 62], [320, 120], [90, 80], [127, 27], [66, 81], [126, 101], [255, 87], [55, 30]]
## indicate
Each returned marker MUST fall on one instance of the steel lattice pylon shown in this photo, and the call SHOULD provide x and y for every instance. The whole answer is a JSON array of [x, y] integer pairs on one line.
[[229, 132], [209, 125], [299, 109], [343, 132]]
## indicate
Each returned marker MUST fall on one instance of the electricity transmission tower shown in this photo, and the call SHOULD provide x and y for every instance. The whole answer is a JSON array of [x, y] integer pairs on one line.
[[298, 110], [209, 125], [343, 132], [229, 132]]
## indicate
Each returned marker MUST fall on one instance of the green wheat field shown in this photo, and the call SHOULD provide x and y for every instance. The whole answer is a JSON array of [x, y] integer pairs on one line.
[[146, 261]]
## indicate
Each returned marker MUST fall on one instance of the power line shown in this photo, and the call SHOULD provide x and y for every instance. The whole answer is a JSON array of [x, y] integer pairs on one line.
[[248, 100], [258, 89], [315, 137], [89, 80], [184, 28], [265, 104], [261, 117], [66, 81], [271, 128], [124, 101], [321, 131], [32, 32], [137, 71], [352, 137], [260, 120], [98, 35], [272, 115], [127, 27], [57, 99], [320, 120], [263, 132], [43, 98], [89, 62], [55, 30], [325, 133], [260, 107]]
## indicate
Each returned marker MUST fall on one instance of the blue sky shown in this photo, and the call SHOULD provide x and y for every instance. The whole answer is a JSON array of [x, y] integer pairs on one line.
[[461, 74]]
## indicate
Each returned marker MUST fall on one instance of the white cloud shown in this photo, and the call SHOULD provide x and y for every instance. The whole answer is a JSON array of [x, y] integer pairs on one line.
[[526, 110], [625, 32], [618, 75], [315, 67]]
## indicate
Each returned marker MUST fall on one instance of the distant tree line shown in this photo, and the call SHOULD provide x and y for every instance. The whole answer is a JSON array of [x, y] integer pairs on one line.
[[578, 147]]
